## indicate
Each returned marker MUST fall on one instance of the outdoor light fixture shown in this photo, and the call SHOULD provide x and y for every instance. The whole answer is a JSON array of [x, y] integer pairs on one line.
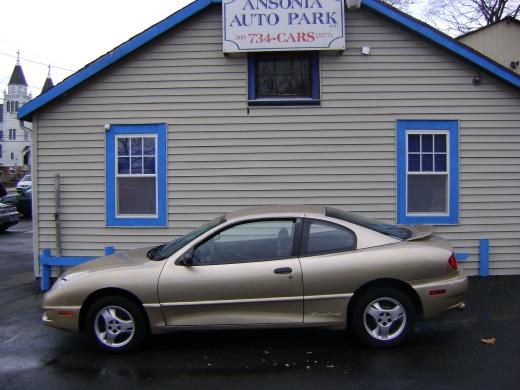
[[477, 80], [365, 50], [353, 4], [107, 126]]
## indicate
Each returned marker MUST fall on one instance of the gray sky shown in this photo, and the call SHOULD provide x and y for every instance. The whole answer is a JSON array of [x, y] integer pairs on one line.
[[70, 34]]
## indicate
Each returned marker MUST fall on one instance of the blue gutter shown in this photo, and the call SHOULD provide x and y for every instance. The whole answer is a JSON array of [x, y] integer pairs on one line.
[[418, 27]]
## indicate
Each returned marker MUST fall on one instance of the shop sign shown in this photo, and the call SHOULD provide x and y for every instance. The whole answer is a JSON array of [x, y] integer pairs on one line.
[[278, 25]]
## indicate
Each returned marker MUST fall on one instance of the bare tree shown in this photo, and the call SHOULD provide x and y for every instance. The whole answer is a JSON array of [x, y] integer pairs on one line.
[[403, 5], [457, 17]]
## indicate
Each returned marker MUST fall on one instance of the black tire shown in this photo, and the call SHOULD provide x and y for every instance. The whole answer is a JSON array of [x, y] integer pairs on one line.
[[383, 328], [115, 324]]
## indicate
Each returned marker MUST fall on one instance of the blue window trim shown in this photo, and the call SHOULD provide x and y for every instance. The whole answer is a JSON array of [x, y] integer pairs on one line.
[[162, 213], [251, 83], [453, 128]]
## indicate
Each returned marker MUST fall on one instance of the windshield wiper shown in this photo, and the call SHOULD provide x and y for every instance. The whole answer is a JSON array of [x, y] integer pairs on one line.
[[153, 252]]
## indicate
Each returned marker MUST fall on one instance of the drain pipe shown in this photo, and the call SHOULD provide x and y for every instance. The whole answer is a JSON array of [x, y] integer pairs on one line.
[[23, 127], [57, 214]]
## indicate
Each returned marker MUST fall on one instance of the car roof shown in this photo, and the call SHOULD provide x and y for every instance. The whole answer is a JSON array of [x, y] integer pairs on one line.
[[276, 209]]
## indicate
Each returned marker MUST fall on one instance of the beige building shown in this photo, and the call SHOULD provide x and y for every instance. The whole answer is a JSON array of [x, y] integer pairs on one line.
[[166, 131], [499, 41]]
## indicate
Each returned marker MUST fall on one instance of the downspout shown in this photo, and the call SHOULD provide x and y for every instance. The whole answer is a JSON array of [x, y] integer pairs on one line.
[[22, 126], [57, 214]]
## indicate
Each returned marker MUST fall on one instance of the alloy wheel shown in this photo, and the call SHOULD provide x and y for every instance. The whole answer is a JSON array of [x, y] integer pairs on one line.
[[384, 318]]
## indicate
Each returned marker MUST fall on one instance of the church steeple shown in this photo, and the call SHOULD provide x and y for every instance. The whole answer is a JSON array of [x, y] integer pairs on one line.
[[48, 82], [17, 77]]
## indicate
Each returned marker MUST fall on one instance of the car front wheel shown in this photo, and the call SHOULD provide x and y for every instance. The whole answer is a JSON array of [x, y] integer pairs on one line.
[[383, 317], [116, 324]]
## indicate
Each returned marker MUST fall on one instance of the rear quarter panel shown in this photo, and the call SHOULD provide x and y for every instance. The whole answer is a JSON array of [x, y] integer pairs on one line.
[[331, 280]]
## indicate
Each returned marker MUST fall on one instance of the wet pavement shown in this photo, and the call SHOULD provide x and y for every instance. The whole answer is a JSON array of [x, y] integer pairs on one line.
[[445, 353]]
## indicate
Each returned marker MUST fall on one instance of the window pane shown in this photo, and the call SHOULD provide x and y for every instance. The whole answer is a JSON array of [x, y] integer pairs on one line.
[[149, 165], [282, 74], [326, 238], [440, 163], [123, 146], [137, 146], [137, 165], [414, 162], [136, 195], [123, 165], [427, 193], [427, 143], [149, 146], [414, 143], [254, 241], [427, 162], [440, 143]]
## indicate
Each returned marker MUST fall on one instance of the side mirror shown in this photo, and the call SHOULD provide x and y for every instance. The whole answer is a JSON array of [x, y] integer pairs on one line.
[[186, 259]]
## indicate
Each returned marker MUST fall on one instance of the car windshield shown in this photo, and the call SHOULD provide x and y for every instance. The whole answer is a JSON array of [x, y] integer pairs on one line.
[[26, 178], [378, 226], [165, 250]]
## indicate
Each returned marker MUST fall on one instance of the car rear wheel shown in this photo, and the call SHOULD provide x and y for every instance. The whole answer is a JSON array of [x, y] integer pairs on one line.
[[116, 324], [383, 317]]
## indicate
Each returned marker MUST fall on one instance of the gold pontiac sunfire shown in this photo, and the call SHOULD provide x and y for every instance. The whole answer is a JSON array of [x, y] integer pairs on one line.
[[267, 267]]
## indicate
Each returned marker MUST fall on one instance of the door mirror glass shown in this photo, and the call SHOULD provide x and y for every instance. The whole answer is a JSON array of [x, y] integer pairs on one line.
[[186, 259]]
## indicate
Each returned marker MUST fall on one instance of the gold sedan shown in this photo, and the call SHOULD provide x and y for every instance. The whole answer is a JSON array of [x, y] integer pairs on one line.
[[265, 267]]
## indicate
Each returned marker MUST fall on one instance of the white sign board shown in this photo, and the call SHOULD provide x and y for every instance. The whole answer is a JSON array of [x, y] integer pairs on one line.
[[278, 25]]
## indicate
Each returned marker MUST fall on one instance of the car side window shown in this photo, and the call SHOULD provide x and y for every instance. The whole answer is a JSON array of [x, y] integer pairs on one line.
[[320, 237], [248, 242]]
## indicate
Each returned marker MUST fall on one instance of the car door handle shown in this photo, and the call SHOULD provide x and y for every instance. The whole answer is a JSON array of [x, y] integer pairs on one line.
[[283, 270]]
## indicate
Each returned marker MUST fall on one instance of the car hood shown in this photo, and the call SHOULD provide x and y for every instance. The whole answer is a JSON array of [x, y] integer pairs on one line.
[[419, 232], [125, 259], [9, 198]]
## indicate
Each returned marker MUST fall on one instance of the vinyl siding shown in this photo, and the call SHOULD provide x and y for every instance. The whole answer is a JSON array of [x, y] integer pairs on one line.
[[223, 156], [499, 42]]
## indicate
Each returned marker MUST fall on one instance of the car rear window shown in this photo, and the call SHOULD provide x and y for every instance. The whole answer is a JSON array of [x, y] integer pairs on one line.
[[378, 226]]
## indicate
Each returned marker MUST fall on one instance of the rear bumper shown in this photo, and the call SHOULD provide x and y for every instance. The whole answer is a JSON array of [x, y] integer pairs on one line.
[[448, 294]]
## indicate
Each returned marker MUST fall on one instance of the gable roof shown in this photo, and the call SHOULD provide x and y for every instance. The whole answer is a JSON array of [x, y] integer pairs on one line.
[[419, 28], [507, 19]]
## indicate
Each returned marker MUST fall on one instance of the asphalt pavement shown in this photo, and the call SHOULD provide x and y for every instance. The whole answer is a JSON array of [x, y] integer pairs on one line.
[[445, 353]]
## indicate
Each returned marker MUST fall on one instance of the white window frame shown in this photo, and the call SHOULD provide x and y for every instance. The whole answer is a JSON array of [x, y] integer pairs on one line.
[[130, 175], [419, 173]]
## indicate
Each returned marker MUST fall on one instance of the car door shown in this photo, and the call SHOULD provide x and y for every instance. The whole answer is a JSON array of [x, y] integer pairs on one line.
[[246, 274], [325, 255]]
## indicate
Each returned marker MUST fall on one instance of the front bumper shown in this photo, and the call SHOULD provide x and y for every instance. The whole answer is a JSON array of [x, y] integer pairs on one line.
[[9, 219], [65, 317], [448, 294]]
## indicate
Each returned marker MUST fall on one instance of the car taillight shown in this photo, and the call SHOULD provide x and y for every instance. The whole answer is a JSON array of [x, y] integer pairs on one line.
[[453, 262]]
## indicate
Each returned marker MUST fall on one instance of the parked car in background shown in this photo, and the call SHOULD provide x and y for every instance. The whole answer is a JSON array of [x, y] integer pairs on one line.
[[8, 216], [266, 267], [24, 183], [22, 201]]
